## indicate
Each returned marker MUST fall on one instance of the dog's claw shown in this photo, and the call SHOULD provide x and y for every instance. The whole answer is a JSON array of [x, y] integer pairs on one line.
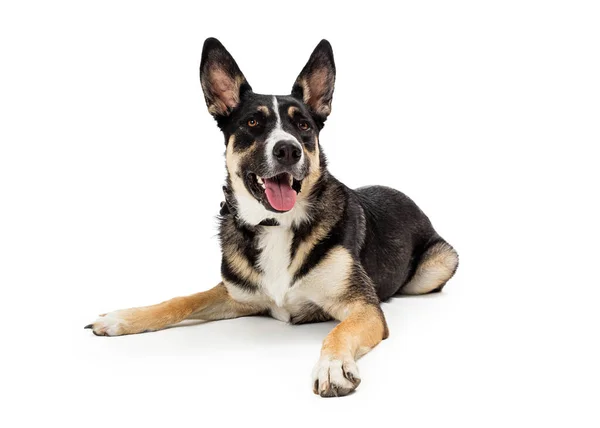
[[89, 326], [335, 376]]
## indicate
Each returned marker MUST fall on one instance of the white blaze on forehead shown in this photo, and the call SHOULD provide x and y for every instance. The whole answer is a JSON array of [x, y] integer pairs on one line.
[[278, 134]]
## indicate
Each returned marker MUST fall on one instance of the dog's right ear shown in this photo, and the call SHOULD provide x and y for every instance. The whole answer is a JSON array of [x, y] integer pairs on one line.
[[314, 85], [222, 81]]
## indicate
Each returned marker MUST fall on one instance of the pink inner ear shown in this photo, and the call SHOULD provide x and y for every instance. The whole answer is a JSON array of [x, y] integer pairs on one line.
[[225, 89], [317, 85]]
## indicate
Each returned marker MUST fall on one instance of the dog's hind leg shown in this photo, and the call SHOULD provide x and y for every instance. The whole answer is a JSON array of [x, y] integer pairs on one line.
[[437, 265], [213, 304]]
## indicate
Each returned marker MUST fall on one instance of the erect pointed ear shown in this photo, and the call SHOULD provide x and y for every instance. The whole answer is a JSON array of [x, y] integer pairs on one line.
[[314, 85], [222, 81]]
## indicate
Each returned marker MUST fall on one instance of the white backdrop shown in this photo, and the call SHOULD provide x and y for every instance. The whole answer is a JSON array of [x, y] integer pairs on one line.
[[487, 115]]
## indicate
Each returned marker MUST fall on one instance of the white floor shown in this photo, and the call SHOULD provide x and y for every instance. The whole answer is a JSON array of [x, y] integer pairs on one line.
[[455, 358]]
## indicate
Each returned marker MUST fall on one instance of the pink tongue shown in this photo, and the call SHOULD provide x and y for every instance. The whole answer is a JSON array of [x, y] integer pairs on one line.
[[280, 194]]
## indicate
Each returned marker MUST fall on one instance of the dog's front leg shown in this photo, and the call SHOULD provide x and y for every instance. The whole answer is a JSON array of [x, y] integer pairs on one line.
[[363, 326], [213, 304]]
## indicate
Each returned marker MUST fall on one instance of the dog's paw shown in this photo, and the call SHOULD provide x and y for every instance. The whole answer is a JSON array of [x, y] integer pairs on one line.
[[115, 323], [335, 376]]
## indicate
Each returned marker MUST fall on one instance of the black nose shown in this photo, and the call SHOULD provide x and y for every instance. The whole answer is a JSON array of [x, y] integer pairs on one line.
[[287, 152]]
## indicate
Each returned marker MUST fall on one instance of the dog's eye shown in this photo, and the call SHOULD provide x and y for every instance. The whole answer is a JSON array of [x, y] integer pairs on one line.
[[304, 126], [252, 123]]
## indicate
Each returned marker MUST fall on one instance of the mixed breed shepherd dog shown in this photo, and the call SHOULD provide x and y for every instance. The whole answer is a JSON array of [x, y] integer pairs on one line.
[[297, 244]]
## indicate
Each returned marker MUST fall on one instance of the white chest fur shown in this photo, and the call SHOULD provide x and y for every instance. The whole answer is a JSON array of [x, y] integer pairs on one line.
[[274, 260]]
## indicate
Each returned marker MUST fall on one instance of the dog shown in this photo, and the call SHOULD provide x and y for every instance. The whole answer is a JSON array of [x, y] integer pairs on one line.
[[297, 244]]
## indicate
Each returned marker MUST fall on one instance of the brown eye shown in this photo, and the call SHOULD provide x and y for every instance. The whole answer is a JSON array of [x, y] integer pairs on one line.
[[252, 123], [304, 126]]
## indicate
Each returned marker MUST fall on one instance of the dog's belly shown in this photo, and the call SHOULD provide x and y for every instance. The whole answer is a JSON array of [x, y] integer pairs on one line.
[[292, 305], [299, 308]]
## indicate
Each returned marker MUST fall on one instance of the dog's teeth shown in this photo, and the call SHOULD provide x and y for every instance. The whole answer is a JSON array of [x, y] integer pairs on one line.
[[291, 180], [262, 184]]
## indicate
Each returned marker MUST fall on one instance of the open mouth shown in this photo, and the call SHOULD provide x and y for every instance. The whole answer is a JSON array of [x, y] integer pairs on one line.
[[277, 193]]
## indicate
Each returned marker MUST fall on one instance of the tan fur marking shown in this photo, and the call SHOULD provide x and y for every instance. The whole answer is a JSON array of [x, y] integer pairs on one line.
[[264, 110], [326, 283], [239, 263], [233, 159], [305, 90], [215, 303], [305, 247], [314, 172], [222, 306], [292, 110], [437, 266], [232, 162], [360, 331]]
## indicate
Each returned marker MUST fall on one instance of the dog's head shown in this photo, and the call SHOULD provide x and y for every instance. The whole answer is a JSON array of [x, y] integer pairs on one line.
[[272, 155]]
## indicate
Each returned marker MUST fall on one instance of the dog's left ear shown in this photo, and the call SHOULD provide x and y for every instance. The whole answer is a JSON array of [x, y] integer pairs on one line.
[[314, 85], [222, 80]]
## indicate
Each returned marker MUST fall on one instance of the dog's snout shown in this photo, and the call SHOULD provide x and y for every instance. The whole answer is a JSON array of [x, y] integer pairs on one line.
[[287, 152]]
